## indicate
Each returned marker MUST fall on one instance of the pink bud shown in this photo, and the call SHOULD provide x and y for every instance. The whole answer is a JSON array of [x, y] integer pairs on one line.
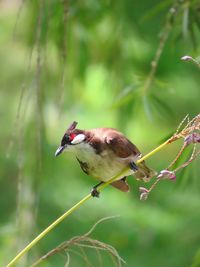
[[144, 193], [165, 174], [143, 190], [192, 138], [186, 58], [144, 196]]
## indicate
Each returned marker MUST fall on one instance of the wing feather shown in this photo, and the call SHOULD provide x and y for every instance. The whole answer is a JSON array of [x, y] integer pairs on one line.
[[120, 145]]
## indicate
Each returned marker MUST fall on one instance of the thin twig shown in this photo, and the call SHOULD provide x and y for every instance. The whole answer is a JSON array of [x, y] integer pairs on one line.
[[63, 57], [68, 260], [177, 157], [181, 123], [98, 222], [38, 85], [185, 164], [19, 11], [164, 36]]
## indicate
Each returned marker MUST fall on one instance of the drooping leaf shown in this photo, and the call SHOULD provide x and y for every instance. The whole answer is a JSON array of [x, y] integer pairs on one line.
[[156, 9]]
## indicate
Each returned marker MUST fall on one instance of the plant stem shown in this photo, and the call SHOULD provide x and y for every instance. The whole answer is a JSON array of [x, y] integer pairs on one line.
[[77, 205], [48, 229]]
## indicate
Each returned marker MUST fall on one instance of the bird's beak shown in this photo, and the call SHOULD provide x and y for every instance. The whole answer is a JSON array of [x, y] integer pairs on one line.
[[59, 150]]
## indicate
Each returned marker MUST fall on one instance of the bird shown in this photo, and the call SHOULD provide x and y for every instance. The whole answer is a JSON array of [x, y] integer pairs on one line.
[[103, 153]]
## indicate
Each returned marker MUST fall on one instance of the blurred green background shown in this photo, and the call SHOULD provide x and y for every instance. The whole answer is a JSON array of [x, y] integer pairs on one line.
[[89, 61]]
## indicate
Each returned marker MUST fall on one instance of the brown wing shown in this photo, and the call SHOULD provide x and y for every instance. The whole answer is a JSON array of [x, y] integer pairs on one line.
[[120, 145], [121, 185]]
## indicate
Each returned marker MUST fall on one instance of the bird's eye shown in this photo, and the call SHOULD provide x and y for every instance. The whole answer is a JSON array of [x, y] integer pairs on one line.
[[67, 138]]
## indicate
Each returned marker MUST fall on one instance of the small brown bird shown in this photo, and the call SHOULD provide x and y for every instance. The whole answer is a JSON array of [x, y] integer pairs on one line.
[[104, 153]]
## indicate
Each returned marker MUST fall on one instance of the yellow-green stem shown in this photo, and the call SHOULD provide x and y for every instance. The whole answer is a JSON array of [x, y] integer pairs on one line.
[[153, 151], [76, 206]]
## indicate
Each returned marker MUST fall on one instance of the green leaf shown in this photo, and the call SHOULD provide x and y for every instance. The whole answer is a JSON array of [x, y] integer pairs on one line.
[[185, 24], [156, 10], [125, 96], [162, 107], [147, 107]]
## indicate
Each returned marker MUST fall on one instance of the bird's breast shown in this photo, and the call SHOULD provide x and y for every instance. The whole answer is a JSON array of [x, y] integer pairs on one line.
[[102, 166]]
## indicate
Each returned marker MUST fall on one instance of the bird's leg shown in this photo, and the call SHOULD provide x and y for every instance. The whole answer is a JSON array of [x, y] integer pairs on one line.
[[133, 166], [95, 192]]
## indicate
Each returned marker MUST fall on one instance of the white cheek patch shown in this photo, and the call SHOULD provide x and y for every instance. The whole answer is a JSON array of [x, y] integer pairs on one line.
[[78, 139]]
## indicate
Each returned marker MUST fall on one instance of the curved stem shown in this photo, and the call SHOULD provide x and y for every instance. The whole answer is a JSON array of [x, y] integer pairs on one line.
[[76, 206]]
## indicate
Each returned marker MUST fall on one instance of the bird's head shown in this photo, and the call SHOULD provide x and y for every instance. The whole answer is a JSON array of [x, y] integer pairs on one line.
[[71, 138]]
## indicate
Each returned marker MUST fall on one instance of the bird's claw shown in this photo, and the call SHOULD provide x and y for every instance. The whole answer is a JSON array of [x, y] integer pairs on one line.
[[133, 166], [95, 192]]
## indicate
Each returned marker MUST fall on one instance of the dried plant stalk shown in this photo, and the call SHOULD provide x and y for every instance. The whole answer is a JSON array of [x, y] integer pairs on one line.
[[84, 241], [190, 134]]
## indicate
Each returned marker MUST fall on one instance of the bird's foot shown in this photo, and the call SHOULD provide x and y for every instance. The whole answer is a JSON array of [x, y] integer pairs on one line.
[[95, 192], [133, 166]]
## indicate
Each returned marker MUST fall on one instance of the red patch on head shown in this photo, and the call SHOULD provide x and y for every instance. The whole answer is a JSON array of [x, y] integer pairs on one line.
[[71, 136]]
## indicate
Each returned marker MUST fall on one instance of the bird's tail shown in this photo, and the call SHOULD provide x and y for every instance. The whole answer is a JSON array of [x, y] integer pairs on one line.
[[144, 173]]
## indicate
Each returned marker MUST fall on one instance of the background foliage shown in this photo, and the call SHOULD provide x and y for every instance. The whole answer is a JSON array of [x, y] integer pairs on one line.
[[101, 63]]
